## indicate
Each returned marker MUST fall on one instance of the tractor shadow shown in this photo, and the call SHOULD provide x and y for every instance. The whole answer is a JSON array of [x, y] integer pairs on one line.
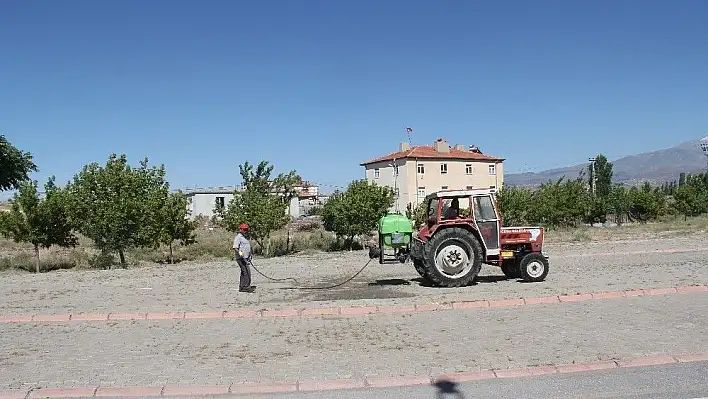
[[423, 282], [390, 282], [428, 284]]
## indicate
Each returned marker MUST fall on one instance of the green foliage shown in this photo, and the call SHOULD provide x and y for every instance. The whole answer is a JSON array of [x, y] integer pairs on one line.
[[691, 196], [559, 204], [514, 205], [119, 207], [15, 165], [568, 203], [40, 222], [357, 210], [175, 223], [417, 214], [647, 203], [619, 202], [262, 204], [314, 211]]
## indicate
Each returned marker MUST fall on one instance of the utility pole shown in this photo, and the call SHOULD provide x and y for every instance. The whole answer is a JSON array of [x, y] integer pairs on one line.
[[592, 178], [394, 165]]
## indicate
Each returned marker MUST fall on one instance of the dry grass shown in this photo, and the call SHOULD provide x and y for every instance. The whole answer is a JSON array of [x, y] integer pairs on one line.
[[211, 245], [216, 245], [668, 227]]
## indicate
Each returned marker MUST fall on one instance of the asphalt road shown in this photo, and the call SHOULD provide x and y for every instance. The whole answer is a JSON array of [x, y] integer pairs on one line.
[[682, 380]]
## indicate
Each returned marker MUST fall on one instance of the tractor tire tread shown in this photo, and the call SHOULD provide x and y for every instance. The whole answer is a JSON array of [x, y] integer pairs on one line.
[[438, 239]]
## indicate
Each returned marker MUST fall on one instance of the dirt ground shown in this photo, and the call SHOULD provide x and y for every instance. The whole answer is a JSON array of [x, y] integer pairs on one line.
[[232, 350], [575, 268]]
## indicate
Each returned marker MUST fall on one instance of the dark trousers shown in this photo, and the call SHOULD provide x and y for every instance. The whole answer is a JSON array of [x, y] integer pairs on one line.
[[245, 280]]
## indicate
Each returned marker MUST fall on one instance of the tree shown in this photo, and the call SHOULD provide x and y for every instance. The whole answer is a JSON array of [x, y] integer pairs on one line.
[[688, 201], [15, 165], [40, 222], [175, 222], [117, 206], [602, 176], [417, 214], [357, 210], [514, 205], [647, 203], [562, 203], [618, 202], [285, 185], [260, 203], [682, 179]]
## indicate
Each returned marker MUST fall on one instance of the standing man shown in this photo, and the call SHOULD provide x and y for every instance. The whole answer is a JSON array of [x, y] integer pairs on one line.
[[242, 250]]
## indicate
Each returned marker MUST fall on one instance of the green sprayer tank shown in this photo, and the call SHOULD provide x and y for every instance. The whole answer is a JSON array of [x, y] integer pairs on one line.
[[395, 231]]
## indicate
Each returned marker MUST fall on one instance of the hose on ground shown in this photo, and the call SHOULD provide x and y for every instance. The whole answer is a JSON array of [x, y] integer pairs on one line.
[[310, 288]]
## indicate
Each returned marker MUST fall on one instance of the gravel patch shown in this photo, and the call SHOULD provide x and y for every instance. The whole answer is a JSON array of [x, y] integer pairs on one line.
[[214, 286]]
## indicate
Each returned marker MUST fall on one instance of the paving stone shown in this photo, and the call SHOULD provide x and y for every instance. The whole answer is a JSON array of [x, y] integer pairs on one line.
[[225, 351]]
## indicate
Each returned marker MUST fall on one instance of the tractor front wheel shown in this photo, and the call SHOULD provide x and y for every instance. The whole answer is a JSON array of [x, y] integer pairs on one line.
[[453, 257], [533, 267], [510, 268]]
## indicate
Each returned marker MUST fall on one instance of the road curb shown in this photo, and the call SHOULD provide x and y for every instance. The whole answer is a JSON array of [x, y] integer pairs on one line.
[[346, 384], [359, 310]]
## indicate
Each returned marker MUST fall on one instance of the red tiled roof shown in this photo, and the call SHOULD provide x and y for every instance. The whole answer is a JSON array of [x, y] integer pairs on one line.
[[428, 152]]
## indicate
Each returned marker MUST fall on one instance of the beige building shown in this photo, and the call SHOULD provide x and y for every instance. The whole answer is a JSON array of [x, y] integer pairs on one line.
[[414, 172]]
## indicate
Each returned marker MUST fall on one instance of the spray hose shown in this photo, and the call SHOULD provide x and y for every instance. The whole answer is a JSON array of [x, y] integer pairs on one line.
[[310, 288]]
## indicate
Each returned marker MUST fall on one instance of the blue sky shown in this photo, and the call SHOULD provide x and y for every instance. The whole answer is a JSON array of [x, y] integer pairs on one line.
[[320, 86]]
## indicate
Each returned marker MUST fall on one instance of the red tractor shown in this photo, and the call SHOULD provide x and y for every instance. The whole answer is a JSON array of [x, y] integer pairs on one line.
[[464, 230]]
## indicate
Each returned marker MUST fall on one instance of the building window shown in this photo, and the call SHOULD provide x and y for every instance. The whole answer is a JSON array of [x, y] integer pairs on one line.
[[219, 202], [421, 192], [492, 170], [468, 169], [421, 168], [376, 173], [443, 168], [444, 187], [469, 187]]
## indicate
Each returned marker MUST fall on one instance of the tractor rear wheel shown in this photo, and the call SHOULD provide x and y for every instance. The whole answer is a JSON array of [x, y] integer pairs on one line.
[[533, 267], [420, 267], [510, 268], [453, 257]]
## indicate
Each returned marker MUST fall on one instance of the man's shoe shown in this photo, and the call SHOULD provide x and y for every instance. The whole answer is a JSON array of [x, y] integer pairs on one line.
[[247, 289]]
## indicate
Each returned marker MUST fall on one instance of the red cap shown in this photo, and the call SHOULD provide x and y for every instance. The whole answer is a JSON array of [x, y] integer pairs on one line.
[[243, 226]]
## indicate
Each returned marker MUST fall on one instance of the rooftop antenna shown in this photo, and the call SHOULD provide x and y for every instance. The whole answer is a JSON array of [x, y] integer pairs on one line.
[[409, 130], [704, 147]]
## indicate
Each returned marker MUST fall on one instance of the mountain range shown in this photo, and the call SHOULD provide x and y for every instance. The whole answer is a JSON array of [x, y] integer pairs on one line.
[[655, 167]]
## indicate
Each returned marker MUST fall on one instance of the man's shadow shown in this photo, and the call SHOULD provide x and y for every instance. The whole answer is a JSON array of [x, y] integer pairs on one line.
[[448, 390]]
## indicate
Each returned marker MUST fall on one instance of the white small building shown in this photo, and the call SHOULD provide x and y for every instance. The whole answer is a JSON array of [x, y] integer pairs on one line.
[[202, 201]]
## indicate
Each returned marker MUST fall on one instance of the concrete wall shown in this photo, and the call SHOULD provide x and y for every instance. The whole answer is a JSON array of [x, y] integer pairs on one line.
[[204, 203]]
